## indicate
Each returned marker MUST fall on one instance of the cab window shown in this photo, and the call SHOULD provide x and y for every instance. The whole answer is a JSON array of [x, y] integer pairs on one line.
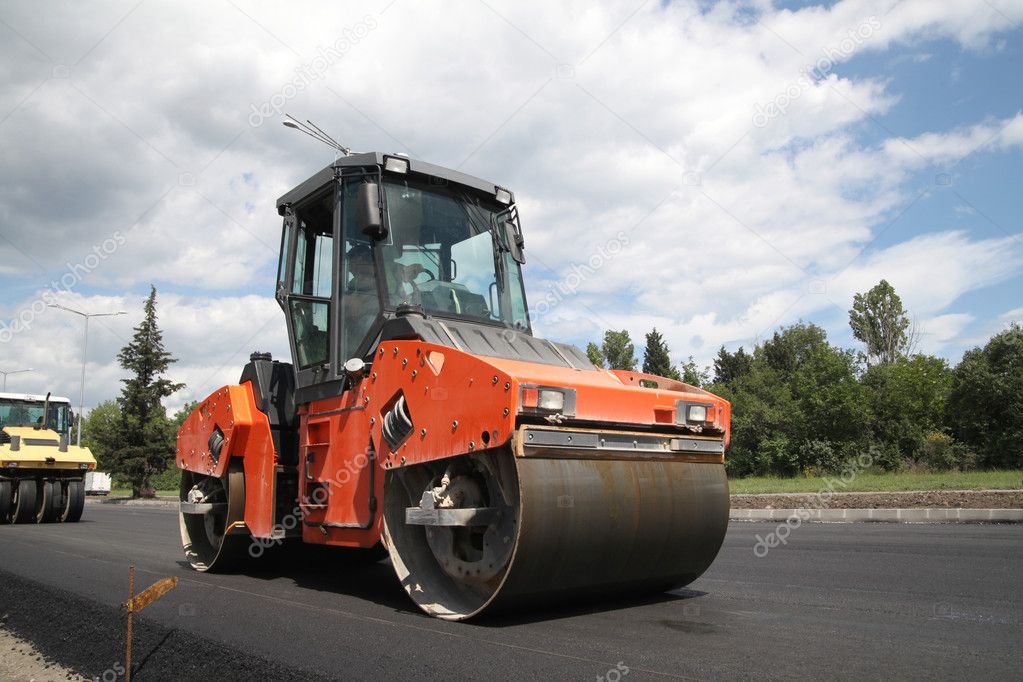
[[312, 281]]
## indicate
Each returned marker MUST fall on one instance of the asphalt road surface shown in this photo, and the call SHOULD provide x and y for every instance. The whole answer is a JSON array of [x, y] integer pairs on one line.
[[835, 601]]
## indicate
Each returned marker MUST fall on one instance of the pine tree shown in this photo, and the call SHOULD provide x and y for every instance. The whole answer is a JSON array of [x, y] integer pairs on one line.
[[657, 357], [728, 367], [146, 439]]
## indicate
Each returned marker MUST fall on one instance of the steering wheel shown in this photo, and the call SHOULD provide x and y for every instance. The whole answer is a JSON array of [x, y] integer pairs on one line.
[[422, 271]]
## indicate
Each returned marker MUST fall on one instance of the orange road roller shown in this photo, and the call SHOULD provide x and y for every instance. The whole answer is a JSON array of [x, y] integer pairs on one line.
[[420, 414]]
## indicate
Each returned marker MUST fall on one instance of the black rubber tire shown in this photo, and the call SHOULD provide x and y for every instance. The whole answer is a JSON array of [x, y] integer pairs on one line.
[[211, 547], [23, 509], [59, 499], [48, 502], [6, 490], [74, 501]]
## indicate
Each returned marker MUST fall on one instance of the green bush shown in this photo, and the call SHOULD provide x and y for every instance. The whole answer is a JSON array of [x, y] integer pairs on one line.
[[885, 456], [817, 457], [167, 480], [941, 452]]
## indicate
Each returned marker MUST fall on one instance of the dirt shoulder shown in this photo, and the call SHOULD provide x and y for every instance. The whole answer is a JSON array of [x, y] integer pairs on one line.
[[22, 662], [934, 499]]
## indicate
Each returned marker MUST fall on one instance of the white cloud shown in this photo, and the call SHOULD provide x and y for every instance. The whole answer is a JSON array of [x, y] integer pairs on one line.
[[954, 146], [211, 338], [603, 118], [1014, 315], [933, 333]]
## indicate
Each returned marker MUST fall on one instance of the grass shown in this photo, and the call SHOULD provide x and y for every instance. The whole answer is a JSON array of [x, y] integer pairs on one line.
[[889, 482], [126, 492], [863, 483]]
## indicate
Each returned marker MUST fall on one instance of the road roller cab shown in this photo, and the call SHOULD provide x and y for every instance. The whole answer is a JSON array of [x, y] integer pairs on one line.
[[419, 411]]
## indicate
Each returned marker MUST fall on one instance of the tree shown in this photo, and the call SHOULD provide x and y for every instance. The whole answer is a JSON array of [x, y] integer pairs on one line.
[[619, 350], [181, 415], [594, 353], [798, 407], [657, 357], [791, 347], [728, 367], [101, 431], [985, 404], [907, 401], [878, 320], [693, 375], [147, 437]]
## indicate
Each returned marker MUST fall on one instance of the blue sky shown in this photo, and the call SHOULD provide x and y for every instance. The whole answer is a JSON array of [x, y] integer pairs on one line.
[[942, 86]]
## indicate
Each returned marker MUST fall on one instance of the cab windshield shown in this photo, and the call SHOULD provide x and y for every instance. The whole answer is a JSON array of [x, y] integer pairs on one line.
[[30, 413], [444, 253]]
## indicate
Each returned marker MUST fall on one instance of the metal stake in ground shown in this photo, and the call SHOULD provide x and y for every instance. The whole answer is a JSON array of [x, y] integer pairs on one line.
[[144, 599], [131, 598]]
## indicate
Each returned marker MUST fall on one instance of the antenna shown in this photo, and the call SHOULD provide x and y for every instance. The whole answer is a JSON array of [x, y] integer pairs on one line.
[[314, 131], [337, 144]]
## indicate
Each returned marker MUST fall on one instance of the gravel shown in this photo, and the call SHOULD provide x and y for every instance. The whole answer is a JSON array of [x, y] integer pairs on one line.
[[22, 662], [936, 499]]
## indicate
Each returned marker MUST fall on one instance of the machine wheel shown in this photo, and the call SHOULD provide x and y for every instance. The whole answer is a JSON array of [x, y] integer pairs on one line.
[[74, 501], [48, 502], [6, 492], [215, 505], [452, 572], [23, 503], [492, 531]]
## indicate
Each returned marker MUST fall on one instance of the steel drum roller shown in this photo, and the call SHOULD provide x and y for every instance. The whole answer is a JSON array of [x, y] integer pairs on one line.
[[580, 526]]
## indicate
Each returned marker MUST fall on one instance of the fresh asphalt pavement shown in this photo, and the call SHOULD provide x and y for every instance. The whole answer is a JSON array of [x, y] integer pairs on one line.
[[834, 601]]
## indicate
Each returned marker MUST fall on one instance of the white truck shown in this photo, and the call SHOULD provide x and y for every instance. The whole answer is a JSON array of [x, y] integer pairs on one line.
[[97, 483]]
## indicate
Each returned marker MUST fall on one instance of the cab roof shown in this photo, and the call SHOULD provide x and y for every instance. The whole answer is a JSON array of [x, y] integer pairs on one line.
[[29, 397], [326, 175]]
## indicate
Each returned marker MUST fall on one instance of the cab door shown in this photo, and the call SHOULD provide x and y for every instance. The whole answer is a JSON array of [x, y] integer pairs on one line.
[[306, 283]]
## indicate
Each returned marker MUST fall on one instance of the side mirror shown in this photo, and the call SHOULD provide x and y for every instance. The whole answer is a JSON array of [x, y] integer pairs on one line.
[[513, 239], [368, 211]]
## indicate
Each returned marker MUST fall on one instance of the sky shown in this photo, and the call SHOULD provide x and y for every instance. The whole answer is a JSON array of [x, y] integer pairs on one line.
[[716, 170]]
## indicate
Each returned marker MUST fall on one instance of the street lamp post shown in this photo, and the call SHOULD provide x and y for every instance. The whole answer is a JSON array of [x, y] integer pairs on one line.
[[13, 371], [85, 349]]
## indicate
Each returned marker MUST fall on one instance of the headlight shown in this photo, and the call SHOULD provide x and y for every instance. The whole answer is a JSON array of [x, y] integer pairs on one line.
[[83, 466], [11, 465], [395, 164], [695, 414], [551, 400], [548, 399], [503, 195]]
